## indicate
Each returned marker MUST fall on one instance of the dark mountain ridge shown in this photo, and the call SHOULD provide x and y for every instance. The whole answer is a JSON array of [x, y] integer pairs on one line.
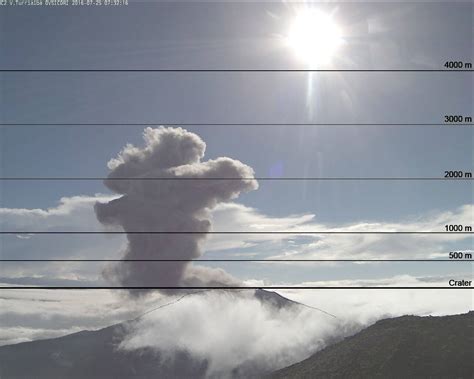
[[402, 347]]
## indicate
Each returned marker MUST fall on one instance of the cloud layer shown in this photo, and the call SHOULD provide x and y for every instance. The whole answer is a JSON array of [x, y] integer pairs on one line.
[[76, 213], [235, 331]]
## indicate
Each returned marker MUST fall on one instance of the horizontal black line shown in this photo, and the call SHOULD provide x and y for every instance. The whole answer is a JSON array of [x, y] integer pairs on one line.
[[231, 288], [235, 70], [226, 232], [236, 179], [236, 260], [229, 124]]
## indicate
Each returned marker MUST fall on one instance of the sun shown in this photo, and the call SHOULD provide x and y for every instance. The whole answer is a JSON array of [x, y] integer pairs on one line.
[[314, 36]]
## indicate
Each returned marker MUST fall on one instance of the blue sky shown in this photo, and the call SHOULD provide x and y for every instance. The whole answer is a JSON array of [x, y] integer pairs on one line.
[[210, 35]]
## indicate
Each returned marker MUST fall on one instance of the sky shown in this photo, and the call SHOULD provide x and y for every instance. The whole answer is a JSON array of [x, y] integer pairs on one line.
[[375, 35]]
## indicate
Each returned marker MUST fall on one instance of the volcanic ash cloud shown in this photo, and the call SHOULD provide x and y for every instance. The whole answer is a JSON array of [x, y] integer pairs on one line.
[[168, 205]]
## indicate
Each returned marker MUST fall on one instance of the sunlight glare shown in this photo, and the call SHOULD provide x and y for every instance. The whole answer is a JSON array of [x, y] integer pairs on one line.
[[314, 36]]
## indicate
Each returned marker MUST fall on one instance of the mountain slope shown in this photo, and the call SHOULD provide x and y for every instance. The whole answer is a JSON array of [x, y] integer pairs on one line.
[[94, 354], [403, 347], [90, 354]]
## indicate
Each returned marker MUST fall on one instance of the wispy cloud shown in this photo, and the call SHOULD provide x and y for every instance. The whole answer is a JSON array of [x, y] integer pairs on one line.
[[76, 213], [362, 246]]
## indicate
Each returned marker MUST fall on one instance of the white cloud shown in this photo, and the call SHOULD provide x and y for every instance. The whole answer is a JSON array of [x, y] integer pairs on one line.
[[233, 216], [362, 246], [76, 213], [28, 314], [234, 329], [230, 329], [226, 327], [367, 306]]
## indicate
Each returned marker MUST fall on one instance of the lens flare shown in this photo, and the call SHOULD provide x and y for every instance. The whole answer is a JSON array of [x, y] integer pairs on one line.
[[315, 37]]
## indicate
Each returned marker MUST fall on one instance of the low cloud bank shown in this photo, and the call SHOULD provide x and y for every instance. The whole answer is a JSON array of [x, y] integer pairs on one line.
[[235, 332]]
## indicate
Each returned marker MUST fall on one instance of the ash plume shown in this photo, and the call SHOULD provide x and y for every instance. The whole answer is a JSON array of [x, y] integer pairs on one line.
[[170, 205]]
